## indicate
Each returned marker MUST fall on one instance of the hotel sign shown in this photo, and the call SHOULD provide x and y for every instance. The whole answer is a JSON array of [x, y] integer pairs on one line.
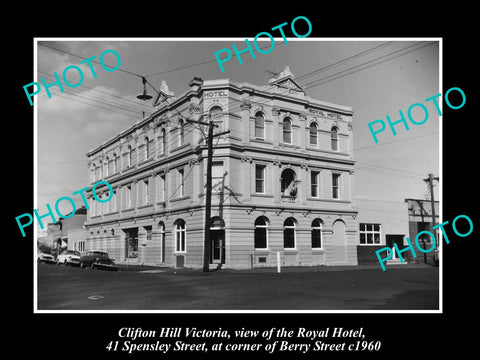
[[324, 114], [215, 94]]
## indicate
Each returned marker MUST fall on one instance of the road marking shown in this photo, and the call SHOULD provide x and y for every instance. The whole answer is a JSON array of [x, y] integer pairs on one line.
[[95, 297], [151, 271]]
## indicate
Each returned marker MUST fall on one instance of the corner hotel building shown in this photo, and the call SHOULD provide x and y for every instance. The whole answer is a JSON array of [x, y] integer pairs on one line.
[[282, 180]]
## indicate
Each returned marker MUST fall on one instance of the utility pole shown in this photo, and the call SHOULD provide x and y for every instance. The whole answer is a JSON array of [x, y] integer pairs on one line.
[[429, 180], [208, 200], [208, 195]]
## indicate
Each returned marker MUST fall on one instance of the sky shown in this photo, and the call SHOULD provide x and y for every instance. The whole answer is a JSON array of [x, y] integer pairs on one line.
[[375, 78]]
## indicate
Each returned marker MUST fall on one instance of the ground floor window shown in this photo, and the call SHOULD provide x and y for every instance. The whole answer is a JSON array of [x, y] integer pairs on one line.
[[317, 234], [261, 229], [180, 236], [289, 233]]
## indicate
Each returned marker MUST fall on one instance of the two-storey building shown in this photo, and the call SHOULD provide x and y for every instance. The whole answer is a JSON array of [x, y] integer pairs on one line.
[[282, 179]]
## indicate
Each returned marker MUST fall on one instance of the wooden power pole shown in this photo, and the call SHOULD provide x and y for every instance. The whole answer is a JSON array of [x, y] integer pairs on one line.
[[429, 180], [208, 193]]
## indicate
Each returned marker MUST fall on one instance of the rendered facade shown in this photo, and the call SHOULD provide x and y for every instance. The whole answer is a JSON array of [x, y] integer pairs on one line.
[[282, 180]]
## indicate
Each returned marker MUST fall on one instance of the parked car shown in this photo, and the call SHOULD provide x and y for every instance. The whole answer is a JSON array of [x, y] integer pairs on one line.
[[45, 257], [68, 257], [96, 259]]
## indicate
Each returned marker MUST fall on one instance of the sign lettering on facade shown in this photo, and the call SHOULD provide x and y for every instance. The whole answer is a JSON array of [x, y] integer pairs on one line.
[[215, 94], [324, 113]]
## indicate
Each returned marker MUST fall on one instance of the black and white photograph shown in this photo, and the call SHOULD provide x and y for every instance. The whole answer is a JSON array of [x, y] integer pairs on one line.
[[272, 175], [295, 183]]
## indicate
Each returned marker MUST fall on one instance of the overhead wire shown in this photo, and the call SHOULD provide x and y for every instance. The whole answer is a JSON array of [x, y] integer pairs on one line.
[[302, 76]]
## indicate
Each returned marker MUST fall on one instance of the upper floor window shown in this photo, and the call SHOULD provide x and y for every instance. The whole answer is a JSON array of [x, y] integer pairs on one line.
[[129, 156], [216, 114], [287, 131], [164, 141], [334, 138], [181, 132], [259, 126], [313, 134], [115, 163], [107, 168], [314, 181], [147, 148], [336, 186], [181, 180], [288, 183], [260, 179]]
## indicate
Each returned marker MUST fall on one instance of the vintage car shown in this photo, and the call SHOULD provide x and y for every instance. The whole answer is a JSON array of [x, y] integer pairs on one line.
[[45, 257], [68, 257], [96, 259]]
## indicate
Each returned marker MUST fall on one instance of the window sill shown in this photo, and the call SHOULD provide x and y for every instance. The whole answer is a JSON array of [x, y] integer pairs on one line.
[[180, 147], [290, 251], [262, 195], [262, 251], [143, 162], [144, 206], [180, 198]]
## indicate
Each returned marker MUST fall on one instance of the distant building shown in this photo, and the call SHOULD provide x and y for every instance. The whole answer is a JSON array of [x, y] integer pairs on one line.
[[282, 180], [57, 234], [77, 239], [420, 219]]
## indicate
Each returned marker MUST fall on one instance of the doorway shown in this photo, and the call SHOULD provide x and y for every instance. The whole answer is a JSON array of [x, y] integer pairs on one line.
[[394, 239], [217, 238]]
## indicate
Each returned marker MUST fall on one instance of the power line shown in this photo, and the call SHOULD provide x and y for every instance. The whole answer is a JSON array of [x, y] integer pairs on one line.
[[120, 99], [356, 56], [374, 62], [82, 57]]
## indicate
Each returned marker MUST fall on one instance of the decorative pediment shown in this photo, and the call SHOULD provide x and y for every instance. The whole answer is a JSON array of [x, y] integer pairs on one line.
[[285, 80]]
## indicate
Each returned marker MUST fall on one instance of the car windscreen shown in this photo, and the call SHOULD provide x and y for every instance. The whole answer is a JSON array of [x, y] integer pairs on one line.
[[100, 253]]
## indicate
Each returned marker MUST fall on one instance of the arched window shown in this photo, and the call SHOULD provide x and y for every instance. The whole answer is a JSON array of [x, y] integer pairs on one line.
[[115, 163], [317, 234], [129, 156], [261, 233], [181, 132], [147, 148], [164, 141], [216, 114], [334, 137], [288, 183], [259, 126], [107, 166], [289, 233], [287, 131], [313, 134], [180, 236]]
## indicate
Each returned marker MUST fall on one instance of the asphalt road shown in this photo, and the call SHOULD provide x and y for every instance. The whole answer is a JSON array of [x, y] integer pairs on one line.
[[398, 288]]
